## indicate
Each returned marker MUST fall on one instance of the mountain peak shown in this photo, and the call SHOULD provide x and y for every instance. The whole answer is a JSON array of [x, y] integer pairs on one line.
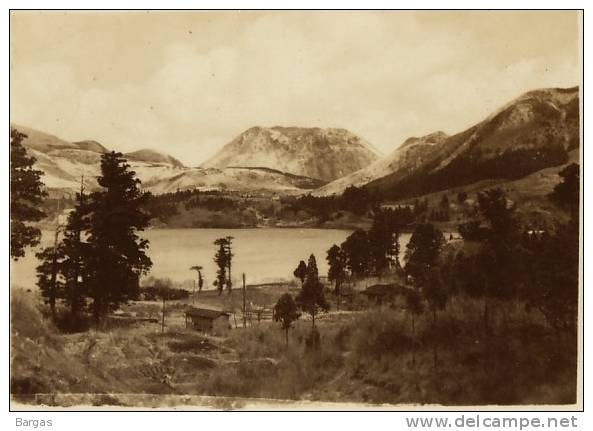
[[533, 131], [325, 154], [430, 139], [152, 156], [540, 102], [90, 145]]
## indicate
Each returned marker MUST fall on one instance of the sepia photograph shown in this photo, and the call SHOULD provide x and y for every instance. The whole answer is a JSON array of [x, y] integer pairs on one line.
[[295, 210]]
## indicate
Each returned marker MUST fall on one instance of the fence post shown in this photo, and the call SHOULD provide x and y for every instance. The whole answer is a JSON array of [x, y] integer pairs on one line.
[[244, 294]]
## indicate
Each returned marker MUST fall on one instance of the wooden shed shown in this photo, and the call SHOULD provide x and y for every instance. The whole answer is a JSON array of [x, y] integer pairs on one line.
[[206, 320]]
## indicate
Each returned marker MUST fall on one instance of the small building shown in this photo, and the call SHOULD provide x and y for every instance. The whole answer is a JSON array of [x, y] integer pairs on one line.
[[396, 206], [387, 294], [206, 320]]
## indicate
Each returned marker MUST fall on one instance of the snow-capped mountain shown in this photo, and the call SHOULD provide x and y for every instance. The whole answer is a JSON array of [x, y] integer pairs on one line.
[[325, 154], [64, 163]]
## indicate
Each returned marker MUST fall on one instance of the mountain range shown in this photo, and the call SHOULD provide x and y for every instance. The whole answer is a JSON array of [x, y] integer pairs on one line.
[[535, 131], [64, 163], [538, 130]]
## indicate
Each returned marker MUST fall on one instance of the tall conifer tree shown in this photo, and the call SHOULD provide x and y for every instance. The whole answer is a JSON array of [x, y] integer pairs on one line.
[[76, 254], [117, 255], [26, 196]]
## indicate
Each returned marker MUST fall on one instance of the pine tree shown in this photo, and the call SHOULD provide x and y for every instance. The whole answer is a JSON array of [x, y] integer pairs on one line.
[[496, 210], [384, 240], [422, 251], [337, 270], [311, 299], [76, 253], [229, 258], [285, 312], [301, 271], [117, 257], [502, 238], [26, 195], [357, 250], [49, 280], [223, 259], [199, 268], [220, 258]]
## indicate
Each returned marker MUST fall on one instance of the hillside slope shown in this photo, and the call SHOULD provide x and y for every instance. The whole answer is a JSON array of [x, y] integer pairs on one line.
[[533, 132], [409, 156], [530, 194], [235, 179], [152, 156]]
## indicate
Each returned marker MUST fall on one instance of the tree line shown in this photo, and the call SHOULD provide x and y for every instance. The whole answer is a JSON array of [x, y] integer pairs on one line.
[[373, 251], [357, 200], [166, 205], [508, 262]]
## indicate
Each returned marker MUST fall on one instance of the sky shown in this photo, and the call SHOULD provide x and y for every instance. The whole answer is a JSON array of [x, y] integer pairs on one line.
[[187, 83]]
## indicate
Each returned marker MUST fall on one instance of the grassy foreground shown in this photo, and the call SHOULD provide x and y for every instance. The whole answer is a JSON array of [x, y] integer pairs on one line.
[[369, 356]]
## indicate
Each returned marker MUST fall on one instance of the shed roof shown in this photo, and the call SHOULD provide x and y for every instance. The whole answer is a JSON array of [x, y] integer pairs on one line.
[[205, 312]]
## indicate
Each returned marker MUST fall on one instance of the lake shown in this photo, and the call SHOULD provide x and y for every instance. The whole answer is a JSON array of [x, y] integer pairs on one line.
[[264, 254]]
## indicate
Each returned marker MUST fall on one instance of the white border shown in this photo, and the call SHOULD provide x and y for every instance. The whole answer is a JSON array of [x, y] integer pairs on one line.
[[242, 420]]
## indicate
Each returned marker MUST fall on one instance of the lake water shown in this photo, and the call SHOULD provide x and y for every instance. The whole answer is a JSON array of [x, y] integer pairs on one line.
[[265, 254]]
